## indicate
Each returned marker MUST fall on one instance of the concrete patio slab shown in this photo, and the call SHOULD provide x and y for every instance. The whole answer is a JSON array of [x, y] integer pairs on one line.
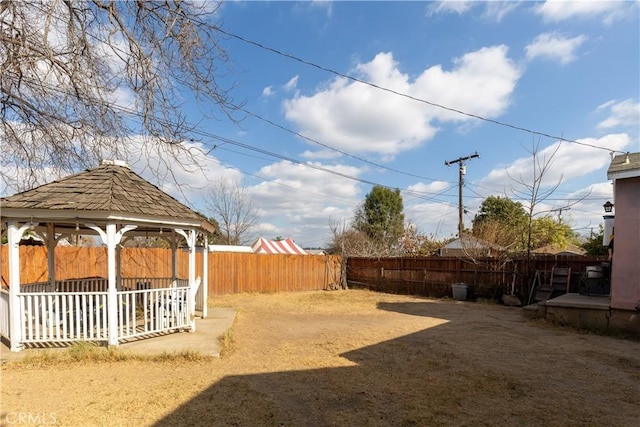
[[593, 302], [580, 311]]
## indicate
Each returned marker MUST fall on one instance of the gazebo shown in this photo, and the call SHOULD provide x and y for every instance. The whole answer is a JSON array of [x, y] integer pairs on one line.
[[112, 203]]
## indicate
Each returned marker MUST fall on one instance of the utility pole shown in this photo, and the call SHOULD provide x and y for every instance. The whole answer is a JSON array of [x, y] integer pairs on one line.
[[462, 172], [559, 210]]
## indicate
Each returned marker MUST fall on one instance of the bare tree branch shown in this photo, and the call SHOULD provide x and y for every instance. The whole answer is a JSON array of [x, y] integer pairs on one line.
[[80, 79], [229, 204]]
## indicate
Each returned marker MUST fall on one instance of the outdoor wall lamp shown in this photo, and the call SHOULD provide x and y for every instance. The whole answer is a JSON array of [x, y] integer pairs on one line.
[[608, 207]]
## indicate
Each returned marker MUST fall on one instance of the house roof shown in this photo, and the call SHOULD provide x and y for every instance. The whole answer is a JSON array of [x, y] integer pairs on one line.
[[568, 249], [470, 242], [111, 190], [624, 166]]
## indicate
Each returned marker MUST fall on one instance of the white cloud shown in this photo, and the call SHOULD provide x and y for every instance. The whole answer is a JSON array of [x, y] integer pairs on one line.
[[268, 91], [439, 220], [493, 10], [459, 7], [291, 84], [431, 188], [481, 83], [358, 118], [555, 46], [560, 10], [571, 161], [320, 154], [623, 113], [299, 201], [497, 10], [185, 178], [325, 5], [585, 213]]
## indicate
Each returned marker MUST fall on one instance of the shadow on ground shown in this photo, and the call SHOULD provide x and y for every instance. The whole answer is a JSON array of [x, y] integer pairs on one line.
[[459, 372]]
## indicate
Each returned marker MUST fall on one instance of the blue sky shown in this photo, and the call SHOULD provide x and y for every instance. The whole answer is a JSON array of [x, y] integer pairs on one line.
[[567, 70], [386, 92]]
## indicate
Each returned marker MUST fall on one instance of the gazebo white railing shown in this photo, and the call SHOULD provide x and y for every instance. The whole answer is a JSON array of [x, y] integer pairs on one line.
[[60, 317], [108, 202], [64, 316]]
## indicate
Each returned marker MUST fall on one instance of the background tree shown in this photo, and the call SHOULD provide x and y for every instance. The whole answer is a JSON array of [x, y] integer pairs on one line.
[[215, 238], [234, 211], [377, 228], [503, 222], [381, 215], [79, 79], [546, 231], [415, 243], [593, 245], [348, 241]]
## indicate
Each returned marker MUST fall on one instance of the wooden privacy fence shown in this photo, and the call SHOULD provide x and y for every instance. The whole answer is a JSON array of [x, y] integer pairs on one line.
[[227, 272], [244, 272], [433, 276]]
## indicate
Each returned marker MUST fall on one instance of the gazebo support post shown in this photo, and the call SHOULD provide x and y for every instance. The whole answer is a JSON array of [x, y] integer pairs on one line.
[[51, 256], [192, 275], [112, 299], [190, 238], [205, 274], [118, 267], [14, 234], [174, 256], [112, 238]]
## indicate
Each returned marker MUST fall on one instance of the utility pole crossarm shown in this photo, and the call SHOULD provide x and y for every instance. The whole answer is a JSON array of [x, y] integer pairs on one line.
[[462, 171], [462, 159], [559, 210]]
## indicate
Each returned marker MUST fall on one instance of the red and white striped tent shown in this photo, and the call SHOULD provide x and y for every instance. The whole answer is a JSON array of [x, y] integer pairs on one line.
[[286, 246]]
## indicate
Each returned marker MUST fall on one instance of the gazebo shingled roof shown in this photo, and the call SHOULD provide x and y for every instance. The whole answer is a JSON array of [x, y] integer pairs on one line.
[[108, 188], [110, 201]]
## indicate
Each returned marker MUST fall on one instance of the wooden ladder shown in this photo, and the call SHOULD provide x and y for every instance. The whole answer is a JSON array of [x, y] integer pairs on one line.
[[560, 280]]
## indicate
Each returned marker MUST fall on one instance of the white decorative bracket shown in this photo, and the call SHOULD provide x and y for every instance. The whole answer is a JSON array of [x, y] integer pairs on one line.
[[190, 238], [25, 227], [118, 235]]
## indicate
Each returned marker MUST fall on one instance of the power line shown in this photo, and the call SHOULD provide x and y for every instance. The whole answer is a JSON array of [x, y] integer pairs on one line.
[[257, 116], [224, 140], [335, 149], [433, 104], [136, 113]]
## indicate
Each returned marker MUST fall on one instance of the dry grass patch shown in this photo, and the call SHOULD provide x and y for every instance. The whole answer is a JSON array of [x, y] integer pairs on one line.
[[84, 353], [348, 358]]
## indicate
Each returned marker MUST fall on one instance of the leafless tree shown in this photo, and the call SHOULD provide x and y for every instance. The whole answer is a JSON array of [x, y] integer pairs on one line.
[[78, 79], [347, 241], [229, 203], [534, 189]]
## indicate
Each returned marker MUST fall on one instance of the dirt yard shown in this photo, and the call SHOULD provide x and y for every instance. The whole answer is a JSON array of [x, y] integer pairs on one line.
[[350, 358]]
